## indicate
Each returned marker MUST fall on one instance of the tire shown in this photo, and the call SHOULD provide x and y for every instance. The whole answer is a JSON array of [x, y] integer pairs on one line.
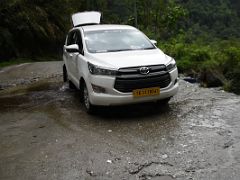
[[164, 101], [71, 85], [65, 77], [90, 109]]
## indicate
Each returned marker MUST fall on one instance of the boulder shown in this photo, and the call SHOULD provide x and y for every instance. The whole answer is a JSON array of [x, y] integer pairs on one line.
[[210, 78]]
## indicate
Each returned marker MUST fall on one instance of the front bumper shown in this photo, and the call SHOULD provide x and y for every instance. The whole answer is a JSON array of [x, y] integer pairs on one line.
[[114, 97]]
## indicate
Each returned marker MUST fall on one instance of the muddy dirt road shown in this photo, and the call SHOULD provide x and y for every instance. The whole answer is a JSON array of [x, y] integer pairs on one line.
[[45, 133]]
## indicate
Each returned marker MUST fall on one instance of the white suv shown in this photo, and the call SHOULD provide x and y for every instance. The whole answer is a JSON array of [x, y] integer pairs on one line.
[[116, 65]]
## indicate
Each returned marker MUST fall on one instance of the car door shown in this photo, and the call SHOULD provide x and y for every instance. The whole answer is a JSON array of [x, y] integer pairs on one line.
[[67, 56], [70, 57], [78, 57]]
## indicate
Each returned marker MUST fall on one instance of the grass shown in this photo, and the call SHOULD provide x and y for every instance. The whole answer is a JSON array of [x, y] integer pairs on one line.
[[27, 60], [14, 62]]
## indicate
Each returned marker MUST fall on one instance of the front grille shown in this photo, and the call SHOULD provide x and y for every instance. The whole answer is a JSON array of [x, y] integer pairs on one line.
[[131, 79], [136, 70]]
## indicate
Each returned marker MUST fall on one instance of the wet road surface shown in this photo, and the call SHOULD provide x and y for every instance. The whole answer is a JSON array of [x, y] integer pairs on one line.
[[46, 134]]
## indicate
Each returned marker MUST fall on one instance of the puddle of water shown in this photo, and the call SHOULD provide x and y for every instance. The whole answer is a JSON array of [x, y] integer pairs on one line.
[[43, 86], [28, 96], [34, 87], [8, 103]]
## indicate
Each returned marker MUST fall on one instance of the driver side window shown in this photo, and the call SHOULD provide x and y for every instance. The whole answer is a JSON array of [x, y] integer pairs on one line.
[[74, 37], [71, 38], [79, 41]]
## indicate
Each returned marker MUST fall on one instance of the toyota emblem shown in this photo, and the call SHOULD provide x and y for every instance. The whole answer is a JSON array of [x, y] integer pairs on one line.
[[144, 70]]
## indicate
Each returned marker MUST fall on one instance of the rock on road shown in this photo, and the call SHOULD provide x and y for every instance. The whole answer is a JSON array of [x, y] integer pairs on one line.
[[45, 133]]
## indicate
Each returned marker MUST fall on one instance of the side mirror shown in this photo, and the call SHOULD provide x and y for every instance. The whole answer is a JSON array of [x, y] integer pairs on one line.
[[154, 42], [74, 48]]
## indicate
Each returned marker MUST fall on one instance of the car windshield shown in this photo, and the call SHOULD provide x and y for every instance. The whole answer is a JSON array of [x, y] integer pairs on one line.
[[116, 40]]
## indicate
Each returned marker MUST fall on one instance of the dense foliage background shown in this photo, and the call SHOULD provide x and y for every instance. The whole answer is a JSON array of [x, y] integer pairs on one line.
[[202, 35]]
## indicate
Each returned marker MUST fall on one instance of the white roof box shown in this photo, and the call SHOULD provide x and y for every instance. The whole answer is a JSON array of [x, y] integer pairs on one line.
[[84, 18]]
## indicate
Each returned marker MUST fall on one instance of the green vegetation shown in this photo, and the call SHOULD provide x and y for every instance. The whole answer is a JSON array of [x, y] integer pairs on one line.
[[213, 64], [202, 35], [16, 61]]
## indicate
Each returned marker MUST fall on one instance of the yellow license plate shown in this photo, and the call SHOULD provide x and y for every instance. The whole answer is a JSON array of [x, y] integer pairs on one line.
[[146, 92]]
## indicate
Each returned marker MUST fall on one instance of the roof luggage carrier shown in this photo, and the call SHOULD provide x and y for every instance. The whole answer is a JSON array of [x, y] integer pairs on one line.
[[86, 18]]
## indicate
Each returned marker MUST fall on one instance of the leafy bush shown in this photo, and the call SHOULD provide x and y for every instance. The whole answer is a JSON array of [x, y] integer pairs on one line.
[[214, 64]]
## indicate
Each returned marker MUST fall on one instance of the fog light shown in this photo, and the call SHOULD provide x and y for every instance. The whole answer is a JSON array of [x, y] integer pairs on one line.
[[98, 89]]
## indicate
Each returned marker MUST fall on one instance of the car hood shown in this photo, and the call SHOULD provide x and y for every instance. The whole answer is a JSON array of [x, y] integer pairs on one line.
[[124, 59]]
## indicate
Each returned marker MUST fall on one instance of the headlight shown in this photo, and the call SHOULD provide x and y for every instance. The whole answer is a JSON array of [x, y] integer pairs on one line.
[[171, 65], [93, 69]]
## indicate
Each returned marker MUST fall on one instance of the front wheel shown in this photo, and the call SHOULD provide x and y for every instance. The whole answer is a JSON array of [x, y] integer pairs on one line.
[[65, 77], [164, 101], [86, 101]]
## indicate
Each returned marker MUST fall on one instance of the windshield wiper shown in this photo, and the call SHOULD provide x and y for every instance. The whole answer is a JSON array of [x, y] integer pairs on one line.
[[118, 50], [148, 48]]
